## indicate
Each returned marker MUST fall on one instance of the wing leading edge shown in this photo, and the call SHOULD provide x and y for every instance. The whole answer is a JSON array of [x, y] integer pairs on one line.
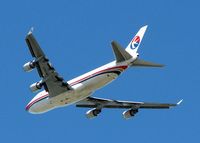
[[52, 82]]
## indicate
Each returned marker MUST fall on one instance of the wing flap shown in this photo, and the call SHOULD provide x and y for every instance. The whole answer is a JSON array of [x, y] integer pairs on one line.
[[156, 105]]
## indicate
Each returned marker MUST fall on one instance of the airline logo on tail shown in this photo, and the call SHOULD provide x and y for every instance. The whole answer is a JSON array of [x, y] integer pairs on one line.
[[135, 42]]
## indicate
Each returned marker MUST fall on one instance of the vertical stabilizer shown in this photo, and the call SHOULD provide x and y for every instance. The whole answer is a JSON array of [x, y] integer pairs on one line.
[[135, 42]]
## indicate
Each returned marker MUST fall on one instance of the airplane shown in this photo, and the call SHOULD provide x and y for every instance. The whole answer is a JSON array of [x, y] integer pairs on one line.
[[78, 91]]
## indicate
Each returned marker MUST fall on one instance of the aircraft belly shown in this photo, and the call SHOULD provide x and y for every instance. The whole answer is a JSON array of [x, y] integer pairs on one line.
[[61, 100], [80, 91], [66, 99]]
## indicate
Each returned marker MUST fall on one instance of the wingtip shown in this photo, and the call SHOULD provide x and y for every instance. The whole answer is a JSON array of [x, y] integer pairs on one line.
[[31, 30], [112, 42], [179, 102], [145, 26]]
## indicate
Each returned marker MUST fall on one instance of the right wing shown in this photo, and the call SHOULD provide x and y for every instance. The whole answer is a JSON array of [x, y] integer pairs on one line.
[[99, 103], [52, 82], [93, 102]]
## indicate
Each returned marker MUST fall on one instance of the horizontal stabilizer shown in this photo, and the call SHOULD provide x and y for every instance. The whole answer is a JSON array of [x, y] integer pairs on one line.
[[143, 63], [120, 53]]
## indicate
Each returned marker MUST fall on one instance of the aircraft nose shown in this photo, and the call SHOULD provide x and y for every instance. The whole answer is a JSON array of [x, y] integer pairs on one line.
[[30, 108], [33, 109], [27, 107]]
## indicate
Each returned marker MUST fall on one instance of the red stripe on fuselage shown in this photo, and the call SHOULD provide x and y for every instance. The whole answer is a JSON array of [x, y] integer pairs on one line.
[[75, 82]]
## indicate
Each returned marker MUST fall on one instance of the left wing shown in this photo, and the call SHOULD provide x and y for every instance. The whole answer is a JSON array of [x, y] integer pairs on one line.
[[52, 82], [99, 103]]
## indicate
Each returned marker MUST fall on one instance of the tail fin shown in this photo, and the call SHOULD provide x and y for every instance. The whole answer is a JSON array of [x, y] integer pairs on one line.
[[130, 52], [135, 42]]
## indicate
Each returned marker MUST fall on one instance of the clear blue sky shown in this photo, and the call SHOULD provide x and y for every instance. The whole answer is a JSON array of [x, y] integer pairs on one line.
[[76, 36]]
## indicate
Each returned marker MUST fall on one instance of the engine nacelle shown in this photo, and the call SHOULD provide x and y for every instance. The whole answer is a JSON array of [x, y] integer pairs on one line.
[[93, 113], [36, 86], [29, 66], [130, 113]]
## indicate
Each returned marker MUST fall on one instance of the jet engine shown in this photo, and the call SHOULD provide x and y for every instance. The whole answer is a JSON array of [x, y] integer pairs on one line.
[[93, 113], [29, 66], [130, 113], [36, 86]]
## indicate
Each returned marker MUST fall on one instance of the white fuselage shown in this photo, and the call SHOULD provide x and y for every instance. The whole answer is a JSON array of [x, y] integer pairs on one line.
[[82, 87]]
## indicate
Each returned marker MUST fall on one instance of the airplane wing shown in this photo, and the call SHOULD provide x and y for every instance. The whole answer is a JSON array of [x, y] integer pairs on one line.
[[93, 102], [99, 103], [52, 82]]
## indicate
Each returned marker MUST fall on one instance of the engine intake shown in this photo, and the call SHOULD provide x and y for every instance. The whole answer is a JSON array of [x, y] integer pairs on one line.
[[29, 66], [93, 113], [36, 86], [130, 113]]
